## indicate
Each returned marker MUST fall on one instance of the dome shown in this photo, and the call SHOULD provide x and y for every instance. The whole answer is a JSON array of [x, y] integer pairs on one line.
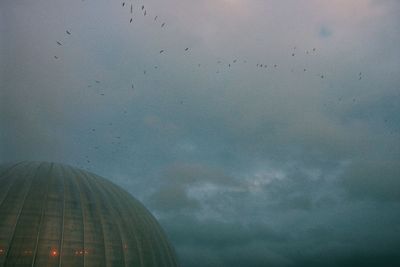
[[57, 215]]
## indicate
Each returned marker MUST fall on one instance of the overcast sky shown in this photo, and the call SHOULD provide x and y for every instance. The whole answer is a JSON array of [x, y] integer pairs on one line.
[[259, 132]]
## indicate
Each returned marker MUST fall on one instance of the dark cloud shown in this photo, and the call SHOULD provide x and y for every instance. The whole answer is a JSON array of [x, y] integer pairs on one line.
[[374, 180]]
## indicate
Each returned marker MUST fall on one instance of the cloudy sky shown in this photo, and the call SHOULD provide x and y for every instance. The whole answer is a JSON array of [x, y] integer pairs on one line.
[[259, 132]]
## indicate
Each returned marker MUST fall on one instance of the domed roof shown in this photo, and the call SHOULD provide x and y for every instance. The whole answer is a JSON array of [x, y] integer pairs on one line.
[[56, 215]]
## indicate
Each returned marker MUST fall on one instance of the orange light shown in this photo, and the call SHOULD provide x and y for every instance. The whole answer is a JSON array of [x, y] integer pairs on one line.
[[81, 252], [27, 252], [54, 253]]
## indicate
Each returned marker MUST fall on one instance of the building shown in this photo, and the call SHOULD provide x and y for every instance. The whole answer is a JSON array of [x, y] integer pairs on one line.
[[57, 215]]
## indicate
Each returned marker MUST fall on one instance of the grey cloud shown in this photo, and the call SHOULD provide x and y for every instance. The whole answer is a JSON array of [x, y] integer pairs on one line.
[[376, 180], [173, 193]]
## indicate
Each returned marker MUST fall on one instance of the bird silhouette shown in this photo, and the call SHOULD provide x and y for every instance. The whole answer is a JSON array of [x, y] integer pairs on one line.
[[68, 32], [59, 43]]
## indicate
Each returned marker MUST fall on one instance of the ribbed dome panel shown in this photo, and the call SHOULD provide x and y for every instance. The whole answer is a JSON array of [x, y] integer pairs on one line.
[[56, 215]]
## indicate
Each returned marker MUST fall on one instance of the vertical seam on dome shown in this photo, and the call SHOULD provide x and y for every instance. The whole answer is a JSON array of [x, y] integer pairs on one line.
[[10, 185], [101, 219], [163, 241], [41, 219], [83, 215], [145, 220], [140, 254], [10, 168], [19, 213], [140, 248], [63, 224], [101, 189]]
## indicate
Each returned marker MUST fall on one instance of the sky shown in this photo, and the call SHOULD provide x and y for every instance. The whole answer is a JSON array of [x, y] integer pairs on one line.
[[258, 132]]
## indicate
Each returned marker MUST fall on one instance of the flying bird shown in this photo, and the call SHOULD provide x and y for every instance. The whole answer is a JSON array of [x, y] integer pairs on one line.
[[59, 43], [187, 48], [55, 57], [145, 13], [161, 51], [123, 4], [131, 9], [142, 7], [130, 21], [155, 18], [68, 32], [162, 25]]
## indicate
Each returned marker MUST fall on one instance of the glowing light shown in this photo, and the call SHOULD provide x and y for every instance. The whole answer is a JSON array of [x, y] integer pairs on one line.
[[54, 253], [27, 252], [81, 252]]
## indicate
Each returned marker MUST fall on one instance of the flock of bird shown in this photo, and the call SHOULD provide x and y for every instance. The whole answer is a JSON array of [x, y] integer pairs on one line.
[[228, 64]]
